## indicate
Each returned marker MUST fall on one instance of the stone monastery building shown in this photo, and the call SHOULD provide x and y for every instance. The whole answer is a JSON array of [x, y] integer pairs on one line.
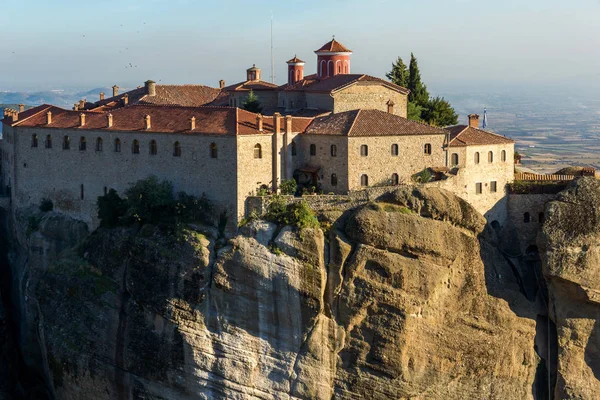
[[333, 129]]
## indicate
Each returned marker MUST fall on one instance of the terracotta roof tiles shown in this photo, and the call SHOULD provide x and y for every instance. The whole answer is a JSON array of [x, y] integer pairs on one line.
[[464, 135], [333, 46], [369, 123], [338, 82]]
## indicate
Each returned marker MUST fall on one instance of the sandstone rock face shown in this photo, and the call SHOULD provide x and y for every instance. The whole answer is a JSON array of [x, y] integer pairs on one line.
[[408, 298], [570, 250]]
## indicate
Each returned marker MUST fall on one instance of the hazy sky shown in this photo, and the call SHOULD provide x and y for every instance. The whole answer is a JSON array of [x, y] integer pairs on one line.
[[59, 43]]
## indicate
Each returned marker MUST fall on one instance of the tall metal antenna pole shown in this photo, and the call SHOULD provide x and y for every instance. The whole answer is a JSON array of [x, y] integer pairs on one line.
[[272, 56]]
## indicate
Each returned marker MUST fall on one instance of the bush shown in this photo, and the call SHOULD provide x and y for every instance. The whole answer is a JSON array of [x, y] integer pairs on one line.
[[263, 190], [152, 201], [296, 214], [46, 205], [111, 208], [288, 186]]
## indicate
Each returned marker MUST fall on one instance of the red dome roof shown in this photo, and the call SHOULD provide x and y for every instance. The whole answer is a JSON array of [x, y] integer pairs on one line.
[[333, 46]]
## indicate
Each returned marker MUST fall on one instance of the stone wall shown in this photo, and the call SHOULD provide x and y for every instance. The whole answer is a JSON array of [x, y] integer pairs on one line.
[[534, 204], [73, 179], [492, 204], [380, 164], [323, 158], [364, 95], [253, 172]]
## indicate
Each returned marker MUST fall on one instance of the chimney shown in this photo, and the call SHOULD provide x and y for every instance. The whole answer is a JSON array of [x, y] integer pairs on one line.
[[126, 100], [221, 84], [390, 105], [147, 122], [81, 104], [21, 108], [15, 115], [288, 124], [259, 122], [48, 118], [192, 123], [82, 119], [150, 88], [5, 112], [277, 122], [109, 121], [101, 96], [473, 120], [115, 91], [75, 106]]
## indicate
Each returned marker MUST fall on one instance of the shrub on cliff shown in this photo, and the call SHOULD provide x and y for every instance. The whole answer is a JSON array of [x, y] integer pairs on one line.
[[152, 201], [296, 213], [288, 186]]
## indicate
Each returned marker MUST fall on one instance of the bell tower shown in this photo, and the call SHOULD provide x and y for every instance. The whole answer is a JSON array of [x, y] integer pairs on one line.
[[253, 73], [295, 70], [333, 58]]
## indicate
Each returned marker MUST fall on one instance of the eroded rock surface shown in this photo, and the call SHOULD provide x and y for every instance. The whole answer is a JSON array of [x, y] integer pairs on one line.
[[405, 298], [570, 250]]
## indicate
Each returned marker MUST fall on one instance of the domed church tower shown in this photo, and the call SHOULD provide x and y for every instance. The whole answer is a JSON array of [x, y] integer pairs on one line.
[[295, 70], [333, 59]]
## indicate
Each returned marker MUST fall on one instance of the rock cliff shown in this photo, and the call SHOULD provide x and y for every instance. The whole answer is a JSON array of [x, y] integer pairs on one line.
[[570, 249], [409, 297]]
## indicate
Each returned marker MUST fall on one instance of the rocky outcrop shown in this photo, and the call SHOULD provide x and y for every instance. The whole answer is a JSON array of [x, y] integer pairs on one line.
[[407, 297], [570, 249]]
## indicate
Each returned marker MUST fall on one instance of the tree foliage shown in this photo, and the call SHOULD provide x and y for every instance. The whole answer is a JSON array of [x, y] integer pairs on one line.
[[252, 103], [399, 73], [152, 201], [439, 112], [435, 111], [288, 186], [297, 213]]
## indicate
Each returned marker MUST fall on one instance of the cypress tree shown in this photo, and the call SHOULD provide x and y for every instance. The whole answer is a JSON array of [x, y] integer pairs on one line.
[[439, 112], [399, 73], [418, 91], [252, 103]]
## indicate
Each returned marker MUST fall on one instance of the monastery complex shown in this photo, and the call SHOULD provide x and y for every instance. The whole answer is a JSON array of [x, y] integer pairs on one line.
[[333, 130]]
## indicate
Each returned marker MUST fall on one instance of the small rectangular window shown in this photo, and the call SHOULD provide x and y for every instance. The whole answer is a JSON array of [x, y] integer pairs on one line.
[[478, 188], [493, 187]]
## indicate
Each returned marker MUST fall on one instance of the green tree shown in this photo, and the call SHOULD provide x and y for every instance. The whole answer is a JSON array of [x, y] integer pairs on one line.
[[150, 200], [399, 73], [414, 112], [418, 91], [439, 112], [111, 208], [252, 103]]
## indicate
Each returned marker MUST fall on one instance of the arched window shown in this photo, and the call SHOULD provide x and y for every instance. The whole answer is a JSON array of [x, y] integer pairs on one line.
[[476, 157], [66, 143], [364, 180], [541, 218], [82, 144], [213, 150], [117, 145], [257, 151], [313, 149], [333, 150], [454, 160], [395, 179], [176, 149], [34, 140], [135, 147], [364, 150], [503, 156], [294, 151], [526, 218], [427, 148], [394, 149], [339, 69], [153, 148], [490, 157], [48, 141], [99, 144], [333, 180]]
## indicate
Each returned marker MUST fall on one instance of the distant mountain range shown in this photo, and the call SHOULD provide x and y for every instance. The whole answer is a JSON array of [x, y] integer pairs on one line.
[[61, 98]]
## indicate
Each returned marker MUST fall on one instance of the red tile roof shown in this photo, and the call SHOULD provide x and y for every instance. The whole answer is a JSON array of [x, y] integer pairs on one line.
[[339, 82], [179, 95], [250, 85], [333, 46], [369, 123], [164, 119], [464, 135], [294, 60]]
